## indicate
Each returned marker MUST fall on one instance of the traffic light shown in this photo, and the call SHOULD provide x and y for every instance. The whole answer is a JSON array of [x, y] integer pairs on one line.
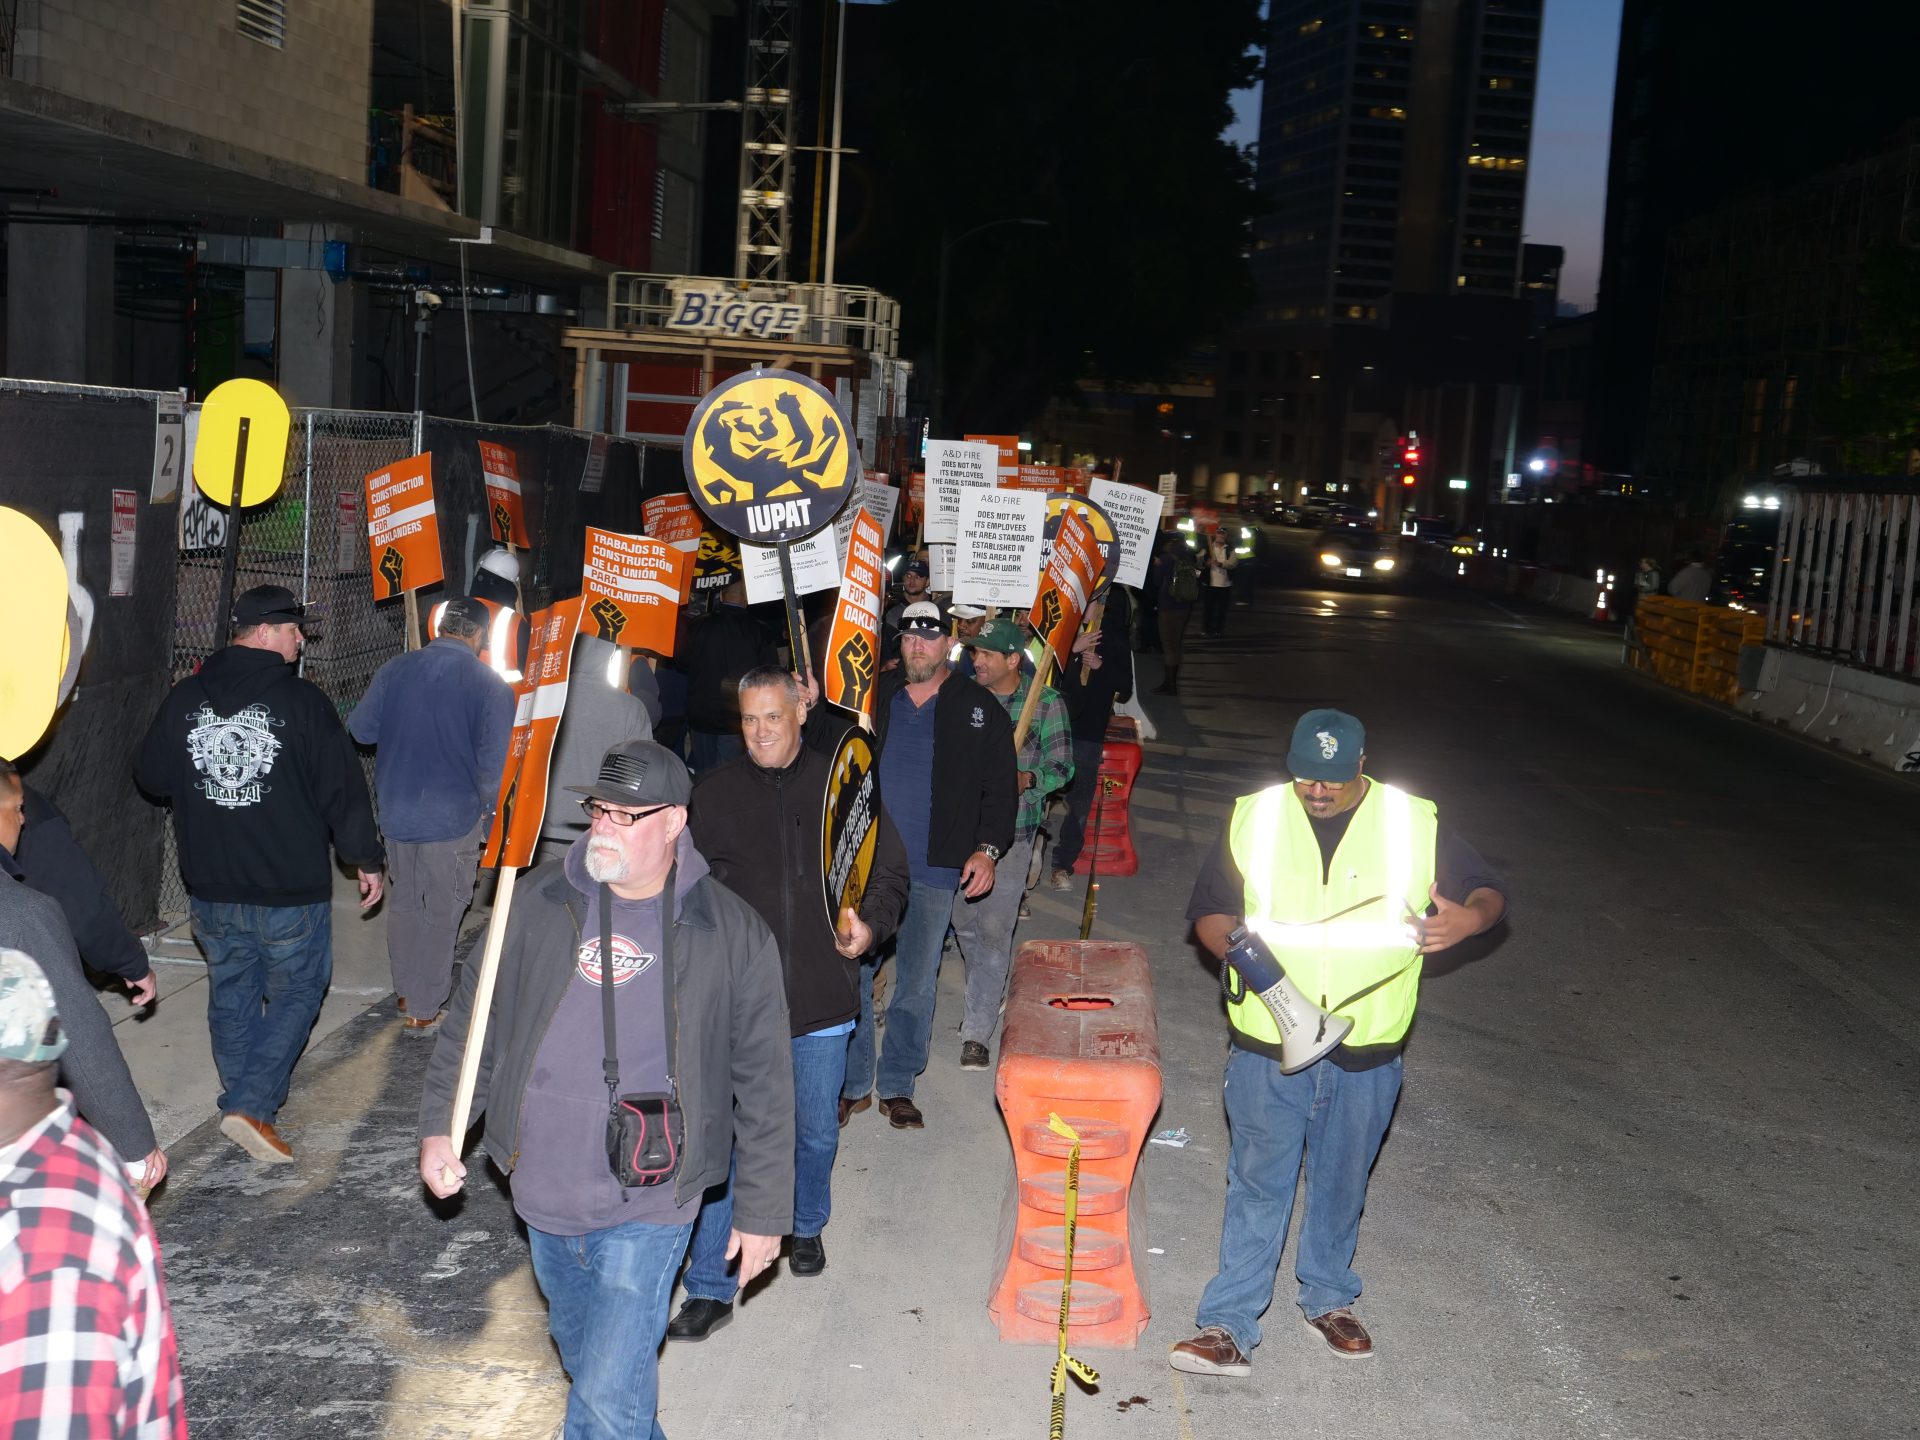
[[1407, 479], [1410, 456]]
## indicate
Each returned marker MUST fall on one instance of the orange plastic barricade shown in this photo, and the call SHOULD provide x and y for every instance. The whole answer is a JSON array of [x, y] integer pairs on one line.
[[1109, 833], [1081, 1041]]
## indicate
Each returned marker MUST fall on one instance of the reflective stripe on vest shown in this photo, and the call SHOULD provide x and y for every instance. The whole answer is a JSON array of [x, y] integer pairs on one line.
[[503, 637], [1342, 928]]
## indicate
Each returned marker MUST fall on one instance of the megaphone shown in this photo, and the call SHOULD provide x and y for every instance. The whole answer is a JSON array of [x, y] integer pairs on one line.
[[1307, 1032]]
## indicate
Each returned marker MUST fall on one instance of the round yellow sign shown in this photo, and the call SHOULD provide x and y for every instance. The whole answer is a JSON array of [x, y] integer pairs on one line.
[[769, 456], [33, 594], [217, 456]]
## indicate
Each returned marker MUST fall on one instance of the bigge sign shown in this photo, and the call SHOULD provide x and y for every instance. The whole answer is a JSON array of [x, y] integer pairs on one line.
[[706, 310]]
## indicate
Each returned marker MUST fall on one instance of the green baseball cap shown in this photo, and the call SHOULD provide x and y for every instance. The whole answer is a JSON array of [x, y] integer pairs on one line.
[[999, 634], [29, 1021], [1327, 745]]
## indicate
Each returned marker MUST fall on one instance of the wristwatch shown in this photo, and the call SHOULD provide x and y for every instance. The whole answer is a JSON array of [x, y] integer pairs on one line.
[[992, 852]]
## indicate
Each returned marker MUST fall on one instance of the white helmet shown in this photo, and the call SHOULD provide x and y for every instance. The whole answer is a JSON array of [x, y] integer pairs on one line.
[[502, 562]]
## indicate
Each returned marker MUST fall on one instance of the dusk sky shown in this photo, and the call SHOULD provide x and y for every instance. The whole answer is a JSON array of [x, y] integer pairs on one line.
[[1567, 176]]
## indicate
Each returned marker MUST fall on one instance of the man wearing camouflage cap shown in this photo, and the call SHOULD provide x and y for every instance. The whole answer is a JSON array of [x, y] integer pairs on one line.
[[86, 1331]]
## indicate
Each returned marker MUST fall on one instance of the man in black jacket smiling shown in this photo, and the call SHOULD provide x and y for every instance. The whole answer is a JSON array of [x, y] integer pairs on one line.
[[757, 820], [947, 770]]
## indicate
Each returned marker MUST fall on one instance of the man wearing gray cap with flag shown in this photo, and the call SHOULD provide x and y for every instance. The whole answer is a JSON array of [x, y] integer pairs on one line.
[[638, 1035], [1347, 884], [86, 1341]]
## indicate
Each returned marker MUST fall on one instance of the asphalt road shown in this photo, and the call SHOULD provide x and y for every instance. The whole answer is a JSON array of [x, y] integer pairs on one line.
[[1652, 1173]]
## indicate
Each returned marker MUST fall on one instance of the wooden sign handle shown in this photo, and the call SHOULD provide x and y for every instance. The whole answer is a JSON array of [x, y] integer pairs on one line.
[[796, 625], [411, 600], [482, 1006], [1042, 669]]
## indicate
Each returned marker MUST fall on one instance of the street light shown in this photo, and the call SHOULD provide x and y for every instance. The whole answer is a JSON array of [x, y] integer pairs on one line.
[[947, 245]]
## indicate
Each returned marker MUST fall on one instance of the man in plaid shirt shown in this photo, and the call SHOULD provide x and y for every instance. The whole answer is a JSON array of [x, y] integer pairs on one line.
[[984, 927], [86, 1342]]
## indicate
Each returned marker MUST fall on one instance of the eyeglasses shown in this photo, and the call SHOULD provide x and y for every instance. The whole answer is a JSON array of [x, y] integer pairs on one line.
[[1332, 787], [622, 818]]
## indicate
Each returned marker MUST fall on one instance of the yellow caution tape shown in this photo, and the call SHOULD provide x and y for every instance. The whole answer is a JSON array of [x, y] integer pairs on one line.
[[1085, 1373]]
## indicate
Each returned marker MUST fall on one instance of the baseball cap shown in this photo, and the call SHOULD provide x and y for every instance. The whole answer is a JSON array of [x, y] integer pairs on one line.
[[466, 608], [29, 1021], [1327, 745], [1000, 635], [921, 618], [639, 773], [268, 605], [965, 612], [917, 567]]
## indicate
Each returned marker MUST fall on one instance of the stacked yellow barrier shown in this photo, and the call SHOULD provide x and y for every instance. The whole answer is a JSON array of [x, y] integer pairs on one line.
[[1692, 645]]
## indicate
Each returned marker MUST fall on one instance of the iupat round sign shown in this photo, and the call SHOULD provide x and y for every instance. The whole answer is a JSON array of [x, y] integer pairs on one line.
[[769, 456]]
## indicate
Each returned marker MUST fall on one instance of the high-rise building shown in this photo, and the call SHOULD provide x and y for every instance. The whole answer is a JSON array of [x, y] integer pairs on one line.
[[1716, 100], [1394, 139]]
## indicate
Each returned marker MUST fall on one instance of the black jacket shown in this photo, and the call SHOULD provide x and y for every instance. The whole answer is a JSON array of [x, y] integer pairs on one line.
[[733, 1063], [976, 790], [721, 646], [1090, 706], [54, 864], [260, 773], [759, 830]]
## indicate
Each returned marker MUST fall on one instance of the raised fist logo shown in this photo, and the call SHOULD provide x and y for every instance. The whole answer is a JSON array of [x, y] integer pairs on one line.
[[1052, 612], [610, 618], [856, 661], [391, 566], [502, 522]]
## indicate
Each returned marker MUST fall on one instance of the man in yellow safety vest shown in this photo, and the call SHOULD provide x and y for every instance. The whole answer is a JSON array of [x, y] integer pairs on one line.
[[1348, 883]]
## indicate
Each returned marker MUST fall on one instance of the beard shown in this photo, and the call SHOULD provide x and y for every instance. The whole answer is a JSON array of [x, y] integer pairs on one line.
[[920, 668], [605, 861]]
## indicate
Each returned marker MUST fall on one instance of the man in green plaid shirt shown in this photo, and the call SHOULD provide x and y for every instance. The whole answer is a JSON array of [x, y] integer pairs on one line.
[[984, 927]]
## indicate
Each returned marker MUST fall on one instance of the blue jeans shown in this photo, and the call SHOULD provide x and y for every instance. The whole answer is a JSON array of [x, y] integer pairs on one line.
[[859, 1077], [916, 977], [268, 968], [607, 1294], [1338, 1117], [819, 1063]]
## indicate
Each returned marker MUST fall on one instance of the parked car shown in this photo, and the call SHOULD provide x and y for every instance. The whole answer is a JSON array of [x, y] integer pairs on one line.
[[1349, 553], [1425, 527]]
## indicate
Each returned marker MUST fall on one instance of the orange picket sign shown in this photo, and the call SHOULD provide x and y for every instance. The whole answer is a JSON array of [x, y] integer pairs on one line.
[[633, 587], [506, 507], [403, 532], [853, 649], [1066, 584], [672, 518], [1009, 448], [542, 695]]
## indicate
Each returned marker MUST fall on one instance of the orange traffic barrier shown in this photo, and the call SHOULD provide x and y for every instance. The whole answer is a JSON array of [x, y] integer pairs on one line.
[[1109, 828], [1081, 1041]]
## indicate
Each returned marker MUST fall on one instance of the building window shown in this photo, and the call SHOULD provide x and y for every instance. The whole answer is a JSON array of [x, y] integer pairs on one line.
[[262, 20]]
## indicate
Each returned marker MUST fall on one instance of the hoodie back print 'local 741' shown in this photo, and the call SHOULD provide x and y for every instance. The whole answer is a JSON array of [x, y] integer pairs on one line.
[[261, 776]]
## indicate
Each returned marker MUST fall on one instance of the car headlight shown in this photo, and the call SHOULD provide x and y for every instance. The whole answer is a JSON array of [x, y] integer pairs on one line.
[[1383, 564], [1327, 557]]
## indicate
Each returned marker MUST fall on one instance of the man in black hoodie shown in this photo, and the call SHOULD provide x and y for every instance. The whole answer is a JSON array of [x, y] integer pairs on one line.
[[261, 774], [757, 821]]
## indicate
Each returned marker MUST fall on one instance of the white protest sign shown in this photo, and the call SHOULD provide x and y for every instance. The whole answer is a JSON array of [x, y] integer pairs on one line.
[[997, 559], [594, 473], [126, 522], [169, 447], [1135, 513], [940, 563], [816, 566], [951, 466], [878, 499], [1169, 482]]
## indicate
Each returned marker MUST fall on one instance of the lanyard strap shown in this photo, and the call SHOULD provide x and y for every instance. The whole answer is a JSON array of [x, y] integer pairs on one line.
[[610, 1064]]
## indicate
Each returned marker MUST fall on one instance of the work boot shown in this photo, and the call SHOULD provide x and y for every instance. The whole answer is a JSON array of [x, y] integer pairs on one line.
[[257, 1138], [809, 1255], [973, 1055], [1212, 1352], [699, 1318], [1171, 684], [1063, 880], [1344, 1335], [851, 1108], [902, 1113]]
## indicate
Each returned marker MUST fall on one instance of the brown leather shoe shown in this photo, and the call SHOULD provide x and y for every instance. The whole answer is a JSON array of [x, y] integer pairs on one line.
[[902, 1113], [423, 1024], [1211, 1352], [257, 1138], [1346, 1336], [851, 1108]]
